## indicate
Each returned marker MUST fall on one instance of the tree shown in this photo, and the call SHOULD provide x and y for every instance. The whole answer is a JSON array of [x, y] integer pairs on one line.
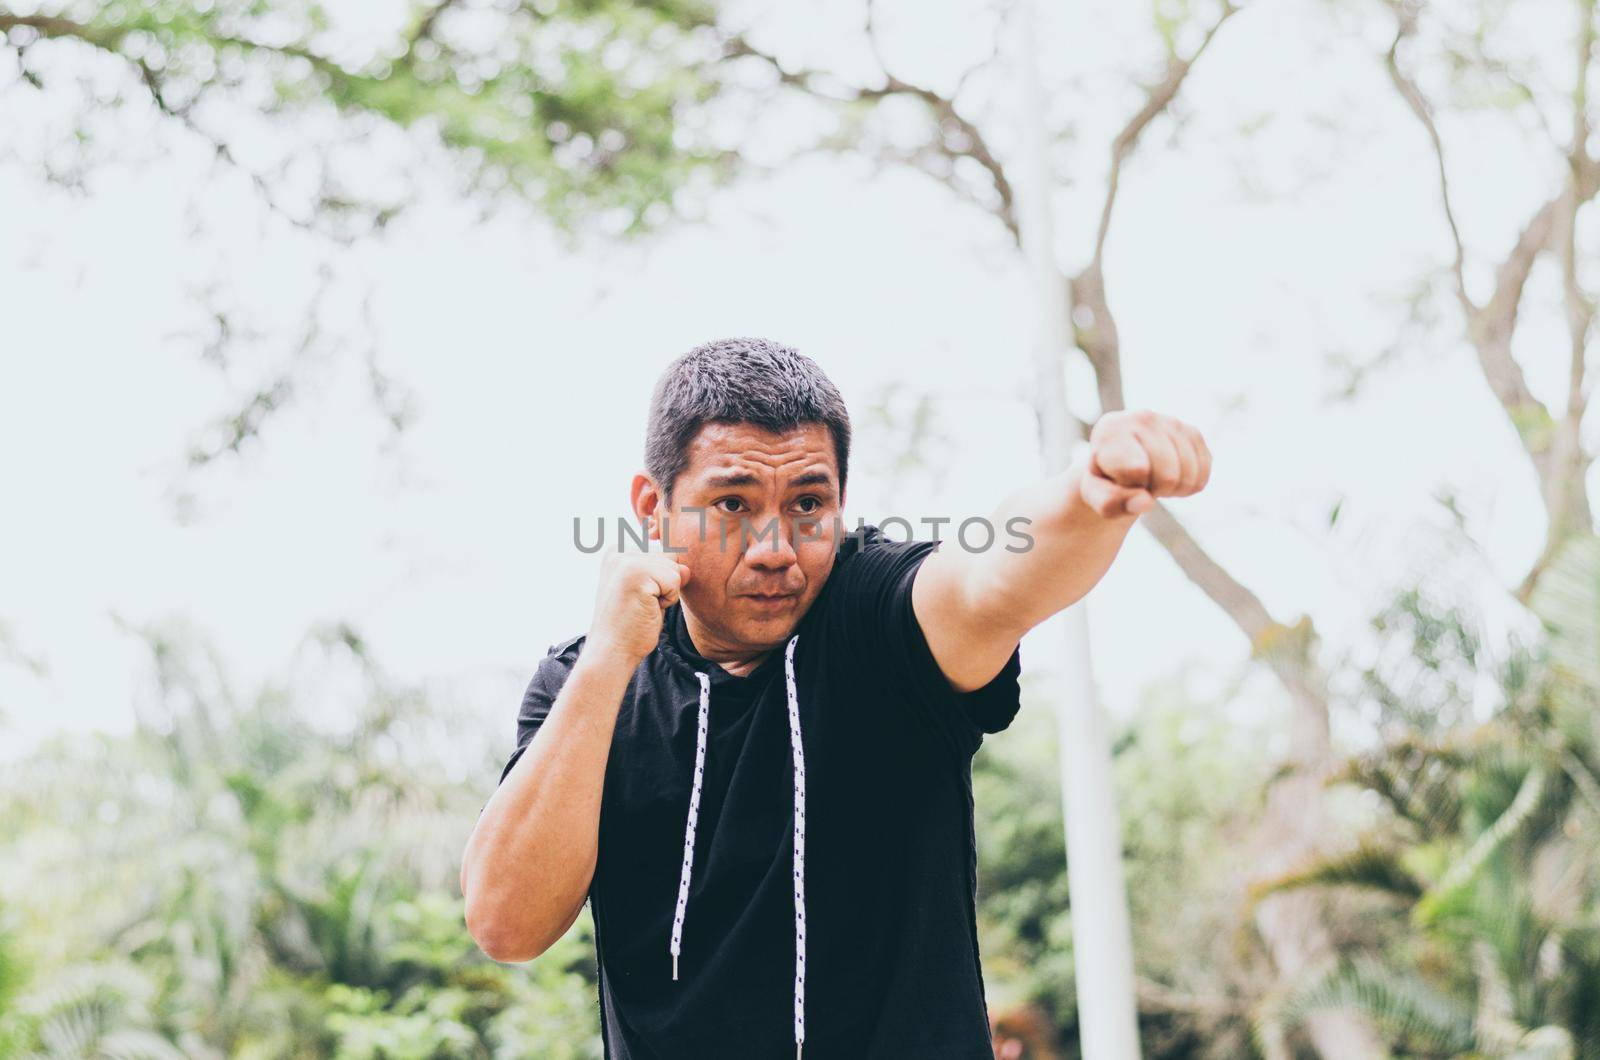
[[1483, 859], [1460, 74], [592, 111], [1545, 87]]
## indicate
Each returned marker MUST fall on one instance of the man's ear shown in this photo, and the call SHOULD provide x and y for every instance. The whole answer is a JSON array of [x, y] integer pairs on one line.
[[648, 504]]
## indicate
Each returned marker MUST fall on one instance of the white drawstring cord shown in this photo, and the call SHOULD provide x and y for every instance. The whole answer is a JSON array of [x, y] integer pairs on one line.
[[694, 816], [798, 749], [799, 849]]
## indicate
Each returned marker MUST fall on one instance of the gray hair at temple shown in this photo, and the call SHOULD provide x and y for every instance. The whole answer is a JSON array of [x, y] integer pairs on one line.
[[739, 380]]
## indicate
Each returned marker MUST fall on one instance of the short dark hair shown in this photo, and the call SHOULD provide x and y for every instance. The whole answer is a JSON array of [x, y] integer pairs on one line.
[[740, 380]]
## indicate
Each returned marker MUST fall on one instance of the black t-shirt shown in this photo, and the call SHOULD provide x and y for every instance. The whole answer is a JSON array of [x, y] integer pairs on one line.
[[890, 863]]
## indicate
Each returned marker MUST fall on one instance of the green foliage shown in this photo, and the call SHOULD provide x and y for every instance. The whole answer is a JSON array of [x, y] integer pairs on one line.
[[581, 106], [1433, 663], [1368, 865], [1186, 779], [1188, 783], [100, 1009], [1567, 601], [1489, 839], [262, 888], [1025, 925], [1419, 1020]]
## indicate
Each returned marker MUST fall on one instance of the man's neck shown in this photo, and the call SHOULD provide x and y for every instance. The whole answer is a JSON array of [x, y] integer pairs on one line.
[[738, 661]]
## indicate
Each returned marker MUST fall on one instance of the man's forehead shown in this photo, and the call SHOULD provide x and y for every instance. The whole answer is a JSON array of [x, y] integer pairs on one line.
[[723, 450]]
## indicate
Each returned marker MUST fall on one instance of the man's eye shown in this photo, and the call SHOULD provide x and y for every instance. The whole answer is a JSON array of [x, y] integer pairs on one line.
[[730, 500], [817, 501]]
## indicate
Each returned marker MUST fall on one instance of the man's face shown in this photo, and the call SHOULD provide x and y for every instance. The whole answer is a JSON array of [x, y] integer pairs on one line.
[[761, 544]]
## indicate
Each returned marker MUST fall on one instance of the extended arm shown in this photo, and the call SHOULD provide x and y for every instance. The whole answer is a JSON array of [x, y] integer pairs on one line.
[[974, 607]]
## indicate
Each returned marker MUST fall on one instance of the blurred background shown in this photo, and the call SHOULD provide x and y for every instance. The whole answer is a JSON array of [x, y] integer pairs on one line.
[[323, 322]]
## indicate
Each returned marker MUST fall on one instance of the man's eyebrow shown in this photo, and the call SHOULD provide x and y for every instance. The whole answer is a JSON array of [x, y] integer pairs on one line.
[[812, 478], [744, 478], [732, 478]]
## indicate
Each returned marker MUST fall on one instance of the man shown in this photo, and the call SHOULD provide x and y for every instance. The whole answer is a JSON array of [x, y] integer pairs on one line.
[[756, 765]]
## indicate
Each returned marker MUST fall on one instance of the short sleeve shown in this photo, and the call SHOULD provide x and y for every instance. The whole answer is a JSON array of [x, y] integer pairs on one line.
[[875, 615], [547, 682]]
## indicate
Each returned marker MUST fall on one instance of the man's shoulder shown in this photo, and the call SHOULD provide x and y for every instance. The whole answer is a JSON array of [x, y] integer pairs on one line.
[[572, 646], [553, 670], [549, 677], [867, 537], [868, 563], [869, 548]]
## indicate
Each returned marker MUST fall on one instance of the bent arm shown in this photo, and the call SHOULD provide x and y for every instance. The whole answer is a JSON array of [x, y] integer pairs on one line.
[[531, 856], [974, 607]]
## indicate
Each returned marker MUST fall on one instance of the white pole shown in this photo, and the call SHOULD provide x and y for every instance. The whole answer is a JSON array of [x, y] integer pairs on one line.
[[1102, 940]]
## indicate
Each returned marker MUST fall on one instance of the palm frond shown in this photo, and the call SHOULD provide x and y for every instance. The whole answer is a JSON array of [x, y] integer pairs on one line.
[[1417, 777], [1546, 1043], [1567, 601], [93, 1010], [1485, 845], [1370, 865], [1410, 1011]]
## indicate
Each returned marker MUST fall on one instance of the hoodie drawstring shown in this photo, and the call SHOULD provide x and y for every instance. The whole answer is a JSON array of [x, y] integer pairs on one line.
[[694, 817], [798, 749], [799, 849]]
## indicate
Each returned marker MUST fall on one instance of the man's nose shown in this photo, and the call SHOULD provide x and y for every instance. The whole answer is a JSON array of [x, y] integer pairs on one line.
[[770, 546]]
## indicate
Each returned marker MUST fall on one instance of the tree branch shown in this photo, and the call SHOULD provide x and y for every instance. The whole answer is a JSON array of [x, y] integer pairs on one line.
[[1157, 99], [1551, 445], [1412, 94], [109, 40], [1564, 471], [1094, 326], [1580, 310], [957, 136]]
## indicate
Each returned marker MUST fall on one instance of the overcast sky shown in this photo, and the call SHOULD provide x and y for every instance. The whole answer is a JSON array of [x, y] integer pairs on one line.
[[1239, 262]]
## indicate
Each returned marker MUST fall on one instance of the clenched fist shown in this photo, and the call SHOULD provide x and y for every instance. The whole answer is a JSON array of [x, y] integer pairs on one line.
[[1137, 456], [634, 593]]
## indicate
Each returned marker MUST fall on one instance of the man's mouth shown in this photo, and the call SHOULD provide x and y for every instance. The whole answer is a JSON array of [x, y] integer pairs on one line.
[[771, 599]]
